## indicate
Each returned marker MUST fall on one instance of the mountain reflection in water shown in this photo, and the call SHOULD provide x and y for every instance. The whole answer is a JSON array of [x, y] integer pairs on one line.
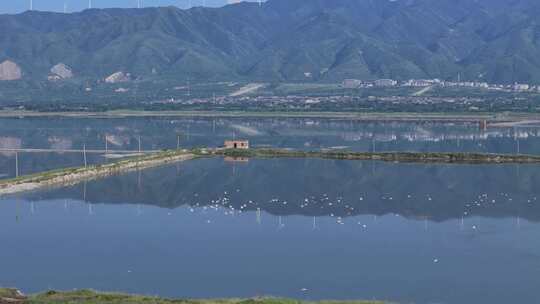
[[303, 228], [298, 133], [315, 187]]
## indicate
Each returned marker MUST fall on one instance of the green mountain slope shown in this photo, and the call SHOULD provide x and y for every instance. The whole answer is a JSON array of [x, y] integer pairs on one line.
[[285, 40]]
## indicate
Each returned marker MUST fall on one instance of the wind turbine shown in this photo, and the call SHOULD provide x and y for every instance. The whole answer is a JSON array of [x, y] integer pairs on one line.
[[65, 7], [89, 4], [31, 5]]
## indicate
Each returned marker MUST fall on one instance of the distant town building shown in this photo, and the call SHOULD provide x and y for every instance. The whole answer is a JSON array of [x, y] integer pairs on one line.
[[521, 87], [419, 83], [237, 144], [385, 83], [483, 85], [357, 83]]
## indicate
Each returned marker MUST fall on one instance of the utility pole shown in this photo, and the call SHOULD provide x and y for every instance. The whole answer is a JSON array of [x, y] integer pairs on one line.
[[178, 142], [139, 144], [139, 180], [84, 156], [106, 145], [16, 164], [516, 138]]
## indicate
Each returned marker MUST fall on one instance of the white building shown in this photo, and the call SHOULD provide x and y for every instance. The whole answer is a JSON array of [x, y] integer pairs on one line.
[[520, 87], [385, 83]]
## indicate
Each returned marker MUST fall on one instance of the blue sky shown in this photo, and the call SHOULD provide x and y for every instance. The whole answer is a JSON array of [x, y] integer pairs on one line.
[[17, 6]]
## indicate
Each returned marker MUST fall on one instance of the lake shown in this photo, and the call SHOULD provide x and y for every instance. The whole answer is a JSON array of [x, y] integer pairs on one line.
[[156, 133], [302, 228]]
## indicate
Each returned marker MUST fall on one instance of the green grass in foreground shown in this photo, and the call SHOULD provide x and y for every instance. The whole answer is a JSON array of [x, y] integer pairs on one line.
[[93, 297], [4, 292]]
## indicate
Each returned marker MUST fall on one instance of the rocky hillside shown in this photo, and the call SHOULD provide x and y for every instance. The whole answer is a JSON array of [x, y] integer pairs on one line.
[[284, 40], [9, 70]]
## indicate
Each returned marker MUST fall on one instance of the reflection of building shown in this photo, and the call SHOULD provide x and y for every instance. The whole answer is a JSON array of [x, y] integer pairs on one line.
[[483, 125], [236, 159], [237, 144], [10, 143]]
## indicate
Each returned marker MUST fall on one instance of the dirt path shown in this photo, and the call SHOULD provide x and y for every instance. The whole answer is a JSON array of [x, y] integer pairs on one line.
[[74, 176], [250, 88], [423, 91]]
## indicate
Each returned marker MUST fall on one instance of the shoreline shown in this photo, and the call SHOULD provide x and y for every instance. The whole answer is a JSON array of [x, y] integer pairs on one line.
[[88, 296], [375, 116], [399, 157], [72, 176]]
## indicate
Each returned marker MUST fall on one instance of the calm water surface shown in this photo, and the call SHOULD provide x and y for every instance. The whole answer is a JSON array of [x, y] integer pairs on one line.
[[308, 229], [162, 133]]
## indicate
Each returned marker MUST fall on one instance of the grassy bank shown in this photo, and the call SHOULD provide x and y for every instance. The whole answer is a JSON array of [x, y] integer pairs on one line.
[[71, 176], [386, 116], [415, 157], [93, 297]]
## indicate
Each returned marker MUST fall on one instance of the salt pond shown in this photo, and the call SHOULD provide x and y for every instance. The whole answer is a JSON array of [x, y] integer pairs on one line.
[[303, 228]]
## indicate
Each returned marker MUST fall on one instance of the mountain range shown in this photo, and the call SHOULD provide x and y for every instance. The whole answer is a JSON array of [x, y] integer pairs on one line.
[[497, 41]]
